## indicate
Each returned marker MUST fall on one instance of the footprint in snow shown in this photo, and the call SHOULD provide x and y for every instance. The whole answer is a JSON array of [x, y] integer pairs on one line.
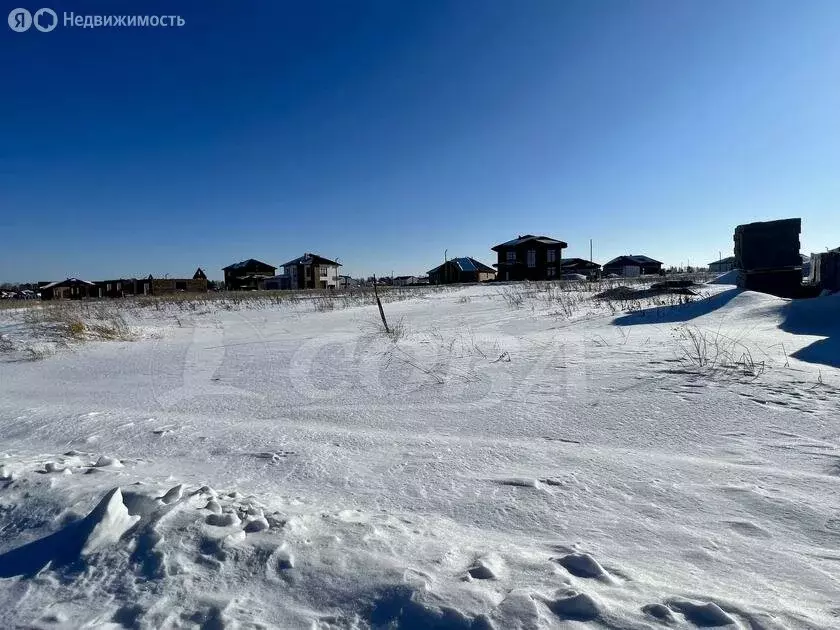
[[660, 612], [281, 559], [583, 565], [704, 615], [108, 462], [256, 524], [226, 519], [214, 506], [575, 606], [485, 568], [172, 495]]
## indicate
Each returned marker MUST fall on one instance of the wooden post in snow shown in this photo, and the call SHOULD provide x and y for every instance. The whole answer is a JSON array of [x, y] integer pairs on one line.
[[379, 304]]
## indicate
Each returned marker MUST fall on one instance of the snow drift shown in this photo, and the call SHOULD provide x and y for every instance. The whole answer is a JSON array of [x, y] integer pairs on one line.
[[498, 465]]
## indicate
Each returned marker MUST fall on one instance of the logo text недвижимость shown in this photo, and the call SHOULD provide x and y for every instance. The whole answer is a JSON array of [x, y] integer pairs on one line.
[[46, 20]]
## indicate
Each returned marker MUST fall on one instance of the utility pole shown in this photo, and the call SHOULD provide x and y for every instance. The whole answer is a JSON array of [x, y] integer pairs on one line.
[[590, 250], [379, 304], [445, 270]]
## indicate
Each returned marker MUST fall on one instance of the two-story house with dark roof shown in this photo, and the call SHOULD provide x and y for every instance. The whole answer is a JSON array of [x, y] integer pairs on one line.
[[529, 257], [247, 275], [311, 271]]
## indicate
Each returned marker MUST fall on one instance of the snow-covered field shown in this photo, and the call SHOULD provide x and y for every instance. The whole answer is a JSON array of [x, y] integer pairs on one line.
[[498, 463]]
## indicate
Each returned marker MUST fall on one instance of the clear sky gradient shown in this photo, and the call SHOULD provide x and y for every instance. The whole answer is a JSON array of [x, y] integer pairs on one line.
[[385, 132]]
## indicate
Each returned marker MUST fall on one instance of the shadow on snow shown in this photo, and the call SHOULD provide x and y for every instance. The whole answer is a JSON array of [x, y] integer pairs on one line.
[[819, 317], [678, 313]]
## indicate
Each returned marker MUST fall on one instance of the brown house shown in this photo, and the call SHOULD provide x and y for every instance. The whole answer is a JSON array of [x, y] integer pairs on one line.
[[123, 287], [311, 271], [127, 287], [529, 257], [581, 266], [247, 275], [461, 270], [164, 286], [634, 265], [69, 289]]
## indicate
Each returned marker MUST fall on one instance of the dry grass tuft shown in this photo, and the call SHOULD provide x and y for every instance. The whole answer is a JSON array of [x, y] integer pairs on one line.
[[714, 353]]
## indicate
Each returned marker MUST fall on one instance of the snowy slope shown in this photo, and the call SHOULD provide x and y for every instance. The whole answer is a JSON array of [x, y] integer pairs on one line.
[[494, 467]]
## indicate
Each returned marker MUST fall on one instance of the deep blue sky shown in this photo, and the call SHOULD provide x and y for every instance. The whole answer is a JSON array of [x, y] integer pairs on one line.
[[385, 132]]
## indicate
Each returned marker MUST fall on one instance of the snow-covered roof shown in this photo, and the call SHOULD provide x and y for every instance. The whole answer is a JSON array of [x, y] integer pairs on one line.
[[311, 259], [67, 283], [466, 264], [247, 263]]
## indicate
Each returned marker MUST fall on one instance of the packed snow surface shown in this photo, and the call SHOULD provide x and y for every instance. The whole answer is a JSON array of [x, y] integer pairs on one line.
[[503, 461]]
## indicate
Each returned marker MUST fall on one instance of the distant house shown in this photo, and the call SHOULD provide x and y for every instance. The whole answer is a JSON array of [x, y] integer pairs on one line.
[[461, 270], [824, 270], [579, 265], [199, 274], [633, 265], [164, 286], [69, 289], [122, 287], [404, 281], [346, 282], [529, 257], [311, 271], [276, 283], [247, 275], [128, 287], [723, 265]]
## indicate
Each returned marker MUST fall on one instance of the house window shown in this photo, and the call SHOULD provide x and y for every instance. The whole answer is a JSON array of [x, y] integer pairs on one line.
[[119, 286], [511, 256], [108, 287], [550, 272], [532, 258], [549, 255]]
